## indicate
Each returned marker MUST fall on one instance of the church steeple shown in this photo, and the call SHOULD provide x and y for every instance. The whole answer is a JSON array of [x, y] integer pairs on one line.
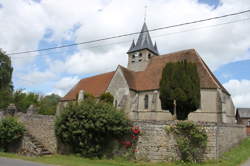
[[140, 54], [144, 42]]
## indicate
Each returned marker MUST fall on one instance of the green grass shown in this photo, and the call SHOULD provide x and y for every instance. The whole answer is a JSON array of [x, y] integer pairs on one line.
[[234, 157]]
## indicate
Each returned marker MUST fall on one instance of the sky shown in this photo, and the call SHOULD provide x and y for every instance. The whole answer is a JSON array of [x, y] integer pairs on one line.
[[224, 44]]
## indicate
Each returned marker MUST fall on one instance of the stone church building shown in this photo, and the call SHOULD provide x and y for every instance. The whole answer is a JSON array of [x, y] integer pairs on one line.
[[136, 88]]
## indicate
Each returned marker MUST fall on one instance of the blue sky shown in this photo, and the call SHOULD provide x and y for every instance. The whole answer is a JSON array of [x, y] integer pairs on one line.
[[36, 24]]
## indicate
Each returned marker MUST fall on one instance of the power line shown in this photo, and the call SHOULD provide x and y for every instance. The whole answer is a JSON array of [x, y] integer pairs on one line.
[[129, 34], [155, 36]]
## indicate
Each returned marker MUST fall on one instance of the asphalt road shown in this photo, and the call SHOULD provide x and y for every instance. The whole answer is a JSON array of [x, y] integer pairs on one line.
[[247, 163], [15, 162]]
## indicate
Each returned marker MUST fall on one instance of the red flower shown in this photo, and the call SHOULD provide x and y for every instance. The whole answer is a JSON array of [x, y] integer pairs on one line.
[[135, 130], [134, 137], [127, 144]]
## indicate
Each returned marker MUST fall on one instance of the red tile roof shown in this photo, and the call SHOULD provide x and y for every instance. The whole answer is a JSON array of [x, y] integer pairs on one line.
[[149, 79], [95, 85]]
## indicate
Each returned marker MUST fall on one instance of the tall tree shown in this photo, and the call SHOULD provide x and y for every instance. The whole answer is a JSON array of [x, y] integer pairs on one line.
[[5, 72], [180, 82], [6, 86]]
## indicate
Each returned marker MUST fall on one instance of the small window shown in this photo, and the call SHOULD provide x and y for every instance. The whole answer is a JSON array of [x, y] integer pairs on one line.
[[140, 55], [149, 56], [140, 60], [133, 61], [146, 102], [133, 56]]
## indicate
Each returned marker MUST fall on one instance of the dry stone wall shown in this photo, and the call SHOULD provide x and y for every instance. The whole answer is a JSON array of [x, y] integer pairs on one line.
[[42, 128], [155, 144]]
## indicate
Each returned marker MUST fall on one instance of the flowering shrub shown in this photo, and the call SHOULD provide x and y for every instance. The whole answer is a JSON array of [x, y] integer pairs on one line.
[[132, 139]]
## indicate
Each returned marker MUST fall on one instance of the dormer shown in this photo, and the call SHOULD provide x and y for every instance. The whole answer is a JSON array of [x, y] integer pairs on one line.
[[140, 53]]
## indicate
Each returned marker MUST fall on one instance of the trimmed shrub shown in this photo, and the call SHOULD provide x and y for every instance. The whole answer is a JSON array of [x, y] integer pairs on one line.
[[11, 131], [89, 127]]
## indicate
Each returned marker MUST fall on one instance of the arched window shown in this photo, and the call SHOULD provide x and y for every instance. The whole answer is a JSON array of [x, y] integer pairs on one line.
[[149, 56], [146, 102]]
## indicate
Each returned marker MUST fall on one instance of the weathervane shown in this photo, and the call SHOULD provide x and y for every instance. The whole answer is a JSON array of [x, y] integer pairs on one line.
[[145, 13]]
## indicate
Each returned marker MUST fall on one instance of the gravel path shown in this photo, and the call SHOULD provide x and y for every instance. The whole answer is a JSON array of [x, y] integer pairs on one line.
[[16, 162]]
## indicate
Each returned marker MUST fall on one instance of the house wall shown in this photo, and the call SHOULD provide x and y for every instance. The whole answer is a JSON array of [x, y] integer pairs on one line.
[[210, 109], [118, 87]]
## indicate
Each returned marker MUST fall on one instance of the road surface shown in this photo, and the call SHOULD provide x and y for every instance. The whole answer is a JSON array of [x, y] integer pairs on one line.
[[16, 162]]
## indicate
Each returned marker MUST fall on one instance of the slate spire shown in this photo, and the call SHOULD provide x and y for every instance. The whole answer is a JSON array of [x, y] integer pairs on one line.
[[144, 41]]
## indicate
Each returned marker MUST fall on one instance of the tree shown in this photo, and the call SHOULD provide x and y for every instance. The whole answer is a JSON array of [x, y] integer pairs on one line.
[[88, 127], [6, 86], [5, 72], [23, 100], [48, 104], [107, 98], [180, 82]]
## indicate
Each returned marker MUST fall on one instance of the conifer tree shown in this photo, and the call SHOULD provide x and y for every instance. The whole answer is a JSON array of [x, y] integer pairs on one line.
[[180, 82]]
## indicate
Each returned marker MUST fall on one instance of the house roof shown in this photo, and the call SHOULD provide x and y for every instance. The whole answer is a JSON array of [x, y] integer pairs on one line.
[[149, 79], [144, 42], [95, 85], [243, 112]]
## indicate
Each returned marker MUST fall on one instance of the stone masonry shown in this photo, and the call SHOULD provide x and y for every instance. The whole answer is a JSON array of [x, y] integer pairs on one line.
[[156, 145], [42, 128]]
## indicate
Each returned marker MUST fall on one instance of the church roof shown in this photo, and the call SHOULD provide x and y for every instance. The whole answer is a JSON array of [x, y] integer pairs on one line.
[[144, 42], [149, 79], [95, 85]]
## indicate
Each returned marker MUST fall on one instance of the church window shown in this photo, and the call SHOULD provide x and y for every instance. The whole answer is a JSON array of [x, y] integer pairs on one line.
[[146, 102], [149, 56], [140, 55]]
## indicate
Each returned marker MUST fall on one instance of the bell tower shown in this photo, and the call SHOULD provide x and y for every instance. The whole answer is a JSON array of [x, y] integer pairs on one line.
[[140, 53]]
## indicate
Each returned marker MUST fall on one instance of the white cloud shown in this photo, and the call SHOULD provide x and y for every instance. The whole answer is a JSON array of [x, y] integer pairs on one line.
[[64, 85], [240, 91], [24, 23]]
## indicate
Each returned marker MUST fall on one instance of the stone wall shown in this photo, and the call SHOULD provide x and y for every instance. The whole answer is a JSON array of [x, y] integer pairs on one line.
[[156, 145], [42, 128]]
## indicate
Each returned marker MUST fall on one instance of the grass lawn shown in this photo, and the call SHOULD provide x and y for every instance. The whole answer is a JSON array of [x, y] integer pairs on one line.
[[234, 157]]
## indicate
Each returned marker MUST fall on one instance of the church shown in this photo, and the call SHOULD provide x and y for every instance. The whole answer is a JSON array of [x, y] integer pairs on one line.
[[136, 87]]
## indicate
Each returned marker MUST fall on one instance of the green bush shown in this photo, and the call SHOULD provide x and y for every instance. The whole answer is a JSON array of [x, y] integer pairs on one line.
[[107, 98], [191, 141], [89, 126], [48, 104], [11, 131]]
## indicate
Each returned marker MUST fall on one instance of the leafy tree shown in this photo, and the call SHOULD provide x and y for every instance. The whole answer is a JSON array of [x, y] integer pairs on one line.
[[107, 98], [48, 104], [23, 100], [5, 72], [5, 80], [180, 82], [89, 126], [10, 132]]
